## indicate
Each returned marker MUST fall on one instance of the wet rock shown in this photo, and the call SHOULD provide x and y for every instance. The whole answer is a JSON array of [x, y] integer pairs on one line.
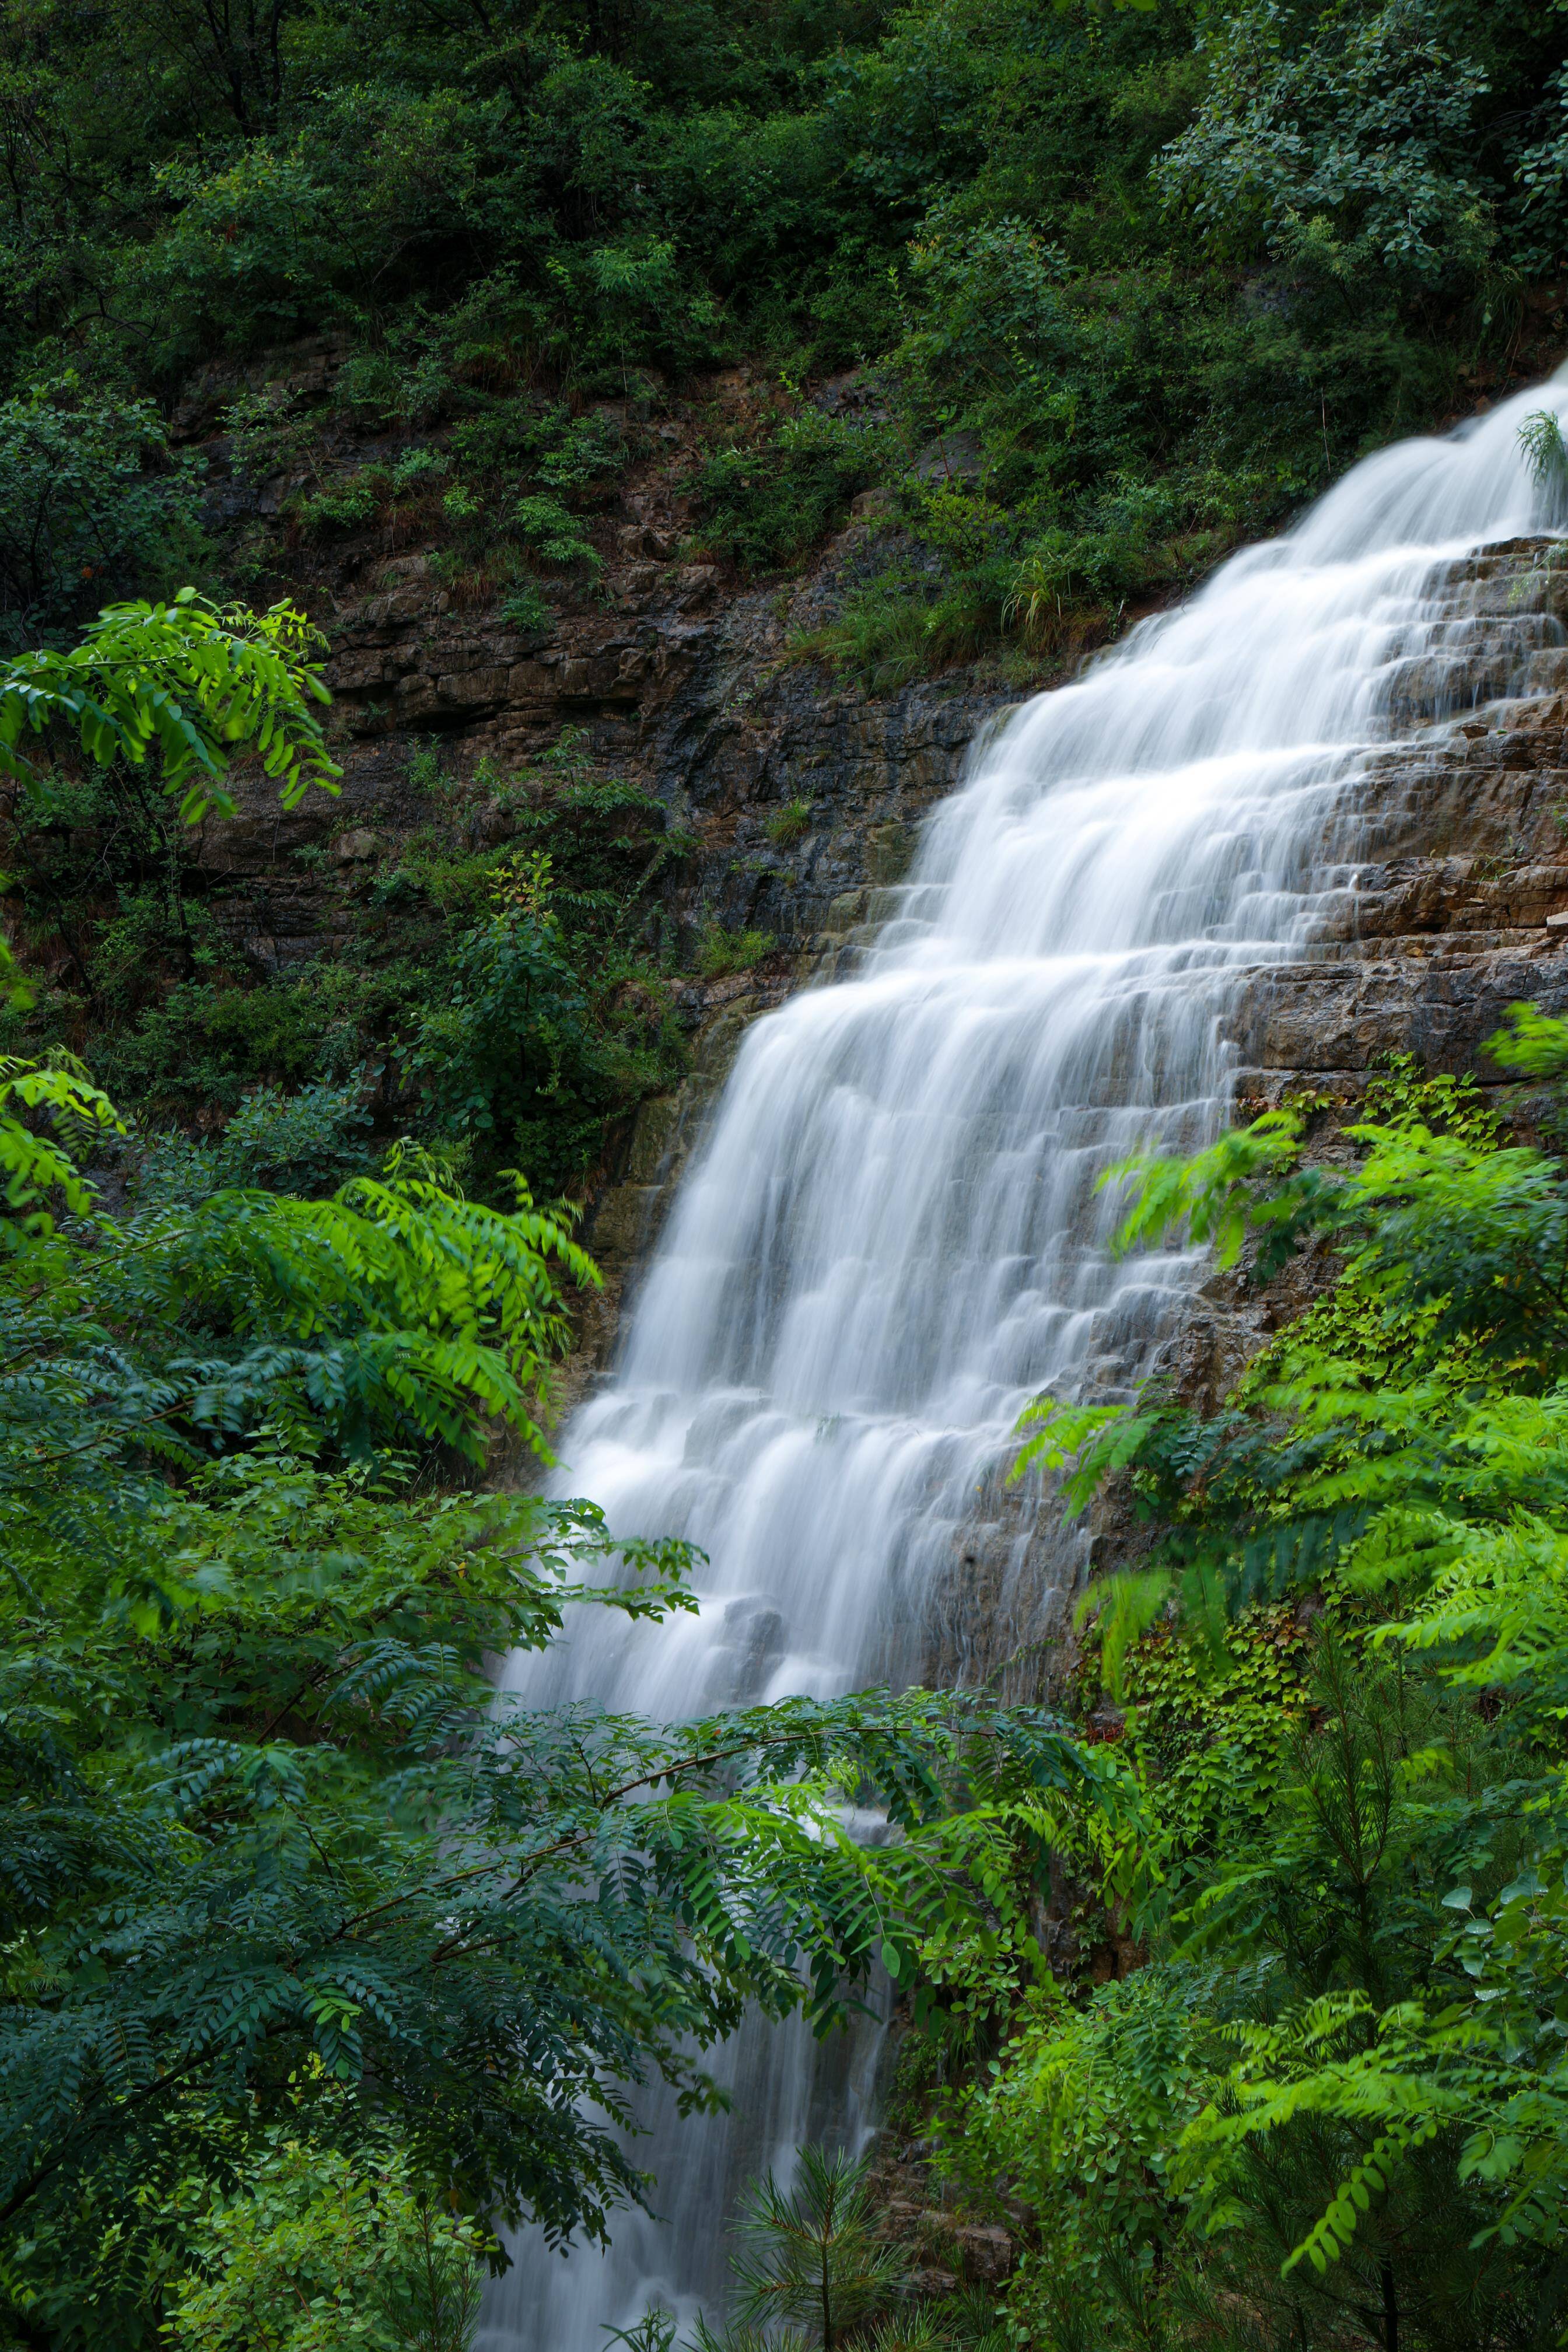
[[653, 1138], [355, 847], [623, 1220]]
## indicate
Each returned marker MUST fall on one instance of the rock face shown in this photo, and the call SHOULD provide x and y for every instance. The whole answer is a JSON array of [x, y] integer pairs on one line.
[[688, 695], [1461, 900], [800, 796]]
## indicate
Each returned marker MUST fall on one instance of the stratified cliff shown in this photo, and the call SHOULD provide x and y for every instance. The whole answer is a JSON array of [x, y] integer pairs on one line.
[[685, 680]]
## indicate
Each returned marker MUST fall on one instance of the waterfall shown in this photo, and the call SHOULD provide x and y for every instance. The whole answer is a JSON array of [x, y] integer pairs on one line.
[[891, 1236]]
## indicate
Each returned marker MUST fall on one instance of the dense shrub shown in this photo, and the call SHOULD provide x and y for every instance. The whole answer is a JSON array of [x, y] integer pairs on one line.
[[768, 504], [92, 504], [552, 1018]]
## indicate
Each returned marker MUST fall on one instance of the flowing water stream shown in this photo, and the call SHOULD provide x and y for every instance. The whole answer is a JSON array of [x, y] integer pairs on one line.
[[891, 1236]]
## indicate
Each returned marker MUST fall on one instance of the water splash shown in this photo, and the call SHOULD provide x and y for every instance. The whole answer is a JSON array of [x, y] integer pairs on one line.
[[893, 1235]]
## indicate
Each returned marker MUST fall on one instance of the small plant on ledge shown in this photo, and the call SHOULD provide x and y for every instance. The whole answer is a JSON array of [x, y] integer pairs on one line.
[[721, 952], [790, 823]]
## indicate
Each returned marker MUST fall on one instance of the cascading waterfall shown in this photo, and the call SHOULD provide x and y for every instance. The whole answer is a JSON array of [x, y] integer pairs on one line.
[[891, 1237]]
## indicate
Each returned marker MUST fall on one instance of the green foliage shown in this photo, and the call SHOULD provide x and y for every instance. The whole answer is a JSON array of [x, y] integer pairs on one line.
[[205, 1044], [512, 1053], [527, 612], [1541, 438], [1162, 271], [164, 696], [768, 505], [584, 1026], [553, 532], [315, 1945], [552, 1019], [789, 825], [320, 2251], [721, 952], [91, 502], [268, 431], [894, 629], [390, 1308], [1332, 1821], [287, 1143], [577, 452], [191, 680], [1435, 1219], [348, 505], [1346, 143], [812, 2262], [808, 2256]]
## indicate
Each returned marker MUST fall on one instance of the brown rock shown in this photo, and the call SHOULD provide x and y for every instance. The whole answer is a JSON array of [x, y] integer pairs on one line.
[[988, 2253]]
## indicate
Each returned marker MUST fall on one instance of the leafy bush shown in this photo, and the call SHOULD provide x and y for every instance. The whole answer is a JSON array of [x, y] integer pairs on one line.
[[205, 1044], [555, 534], [316, 2248], [511, 1056], [419, 466], [267, 430], [347, 505], [901, 626], [318, 1949], [769, 505], [93, 502], [576, 453], [527, 612], [629, 300], [552, 1020], [276, 232], [296, 1143], [1346, 141], [247, 253]]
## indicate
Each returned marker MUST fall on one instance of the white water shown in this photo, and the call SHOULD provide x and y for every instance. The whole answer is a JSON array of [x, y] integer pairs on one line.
[[891, 1236]]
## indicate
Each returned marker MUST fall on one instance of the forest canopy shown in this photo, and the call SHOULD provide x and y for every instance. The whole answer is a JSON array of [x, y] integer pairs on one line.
[[1160, 270]]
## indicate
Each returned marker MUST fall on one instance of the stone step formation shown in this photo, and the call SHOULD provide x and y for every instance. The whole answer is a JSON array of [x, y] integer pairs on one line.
[[1449, 914]]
